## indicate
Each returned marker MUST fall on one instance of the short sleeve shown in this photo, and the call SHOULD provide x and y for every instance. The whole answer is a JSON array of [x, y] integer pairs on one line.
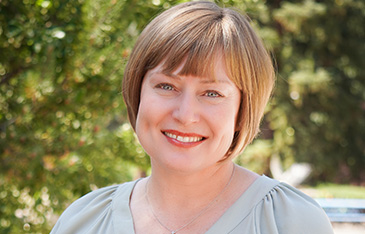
[[89, 214], [286, 210]]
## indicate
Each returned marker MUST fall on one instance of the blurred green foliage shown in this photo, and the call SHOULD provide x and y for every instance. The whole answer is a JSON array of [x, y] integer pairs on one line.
[[63, 124]]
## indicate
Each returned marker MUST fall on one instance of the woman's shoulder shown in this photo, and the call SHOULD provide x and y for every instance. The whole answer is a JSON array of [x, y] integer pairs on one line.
[[92, 208], [289, 210]]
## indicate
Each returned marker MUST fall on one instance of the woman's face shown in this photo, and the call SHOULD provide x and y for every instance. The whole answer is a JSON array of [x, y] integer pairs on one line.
[[187, 123]]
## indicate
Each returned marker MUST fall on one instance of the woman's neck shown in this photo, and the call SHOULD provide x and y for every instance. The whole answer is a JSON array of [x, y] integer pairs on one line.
[[171, 191]]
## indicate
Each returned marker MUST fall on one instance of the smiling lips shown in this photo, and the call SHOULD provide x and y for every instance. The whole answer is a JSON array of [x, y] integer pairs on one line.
[[183, 139]]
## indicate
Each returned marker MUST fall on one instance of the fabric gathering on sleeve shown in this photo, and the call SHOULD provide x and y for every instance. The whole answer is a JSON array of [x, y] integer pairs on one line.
[[286, 210], [89, 214], [271, 207], [105, 210]]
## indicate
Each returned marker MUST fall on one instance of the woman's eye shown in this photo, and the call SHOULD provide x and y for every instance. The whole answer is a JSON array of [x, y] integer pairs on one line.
[[213, 94], [165, 87]]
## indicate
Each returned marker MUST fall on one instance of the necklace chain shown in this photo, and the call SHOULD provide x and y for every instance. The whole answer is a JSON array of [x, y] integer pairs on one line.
[[196, 216]]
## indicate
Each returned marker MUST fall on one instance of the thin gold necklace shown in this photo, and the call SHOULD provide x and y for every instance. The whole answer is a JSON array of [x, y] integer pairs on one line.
[[196, 216]]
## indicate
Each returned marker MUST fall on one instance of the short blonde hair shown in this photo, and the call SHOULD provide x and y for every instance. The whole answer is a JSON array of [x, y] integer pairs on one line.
[[194, 33]]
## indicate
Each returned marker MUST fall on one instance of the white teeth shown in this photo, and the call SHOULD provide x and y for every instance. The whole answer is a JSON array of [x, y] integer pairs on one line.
[[183, 139]]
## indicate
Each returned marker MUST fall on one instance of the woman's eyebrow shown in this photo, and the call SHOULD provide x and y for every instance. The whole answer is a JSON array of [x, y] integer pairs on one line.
[[170, 75], [167, 75], [212, 81], [202, 80]]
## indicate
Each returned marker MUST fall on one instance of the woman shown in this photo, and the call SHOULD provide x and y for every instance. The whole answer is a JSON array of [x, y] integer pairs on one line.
[[196, 86]]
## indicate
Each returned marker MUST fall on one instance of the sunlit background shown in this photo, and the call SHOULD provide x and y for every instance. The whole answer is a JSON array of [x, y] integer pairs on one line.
[[63, 124]]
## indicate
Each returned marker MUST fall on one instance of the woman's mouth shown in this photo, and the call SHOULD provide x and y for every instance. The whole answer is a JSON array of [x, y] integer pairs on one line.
[[184, 139]]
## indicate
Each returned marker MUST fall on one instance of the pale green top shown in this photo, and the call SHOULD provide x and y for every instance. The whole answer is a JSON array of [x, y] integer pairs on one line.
[[267, 207]]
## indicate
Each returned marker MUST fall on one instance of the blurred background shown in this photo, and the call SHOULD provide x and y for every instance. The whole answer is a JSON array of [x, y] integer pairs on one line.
[[63, 124]]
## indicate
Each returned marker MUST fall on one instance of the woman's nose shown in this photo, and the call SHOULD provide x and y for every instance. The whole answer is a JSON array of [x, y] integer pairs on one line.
[[187, 109]]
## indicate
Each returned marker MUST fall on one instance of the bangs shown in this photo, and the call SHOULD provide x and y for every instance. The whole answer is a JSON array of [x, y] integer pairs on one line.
[[199, 60]]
